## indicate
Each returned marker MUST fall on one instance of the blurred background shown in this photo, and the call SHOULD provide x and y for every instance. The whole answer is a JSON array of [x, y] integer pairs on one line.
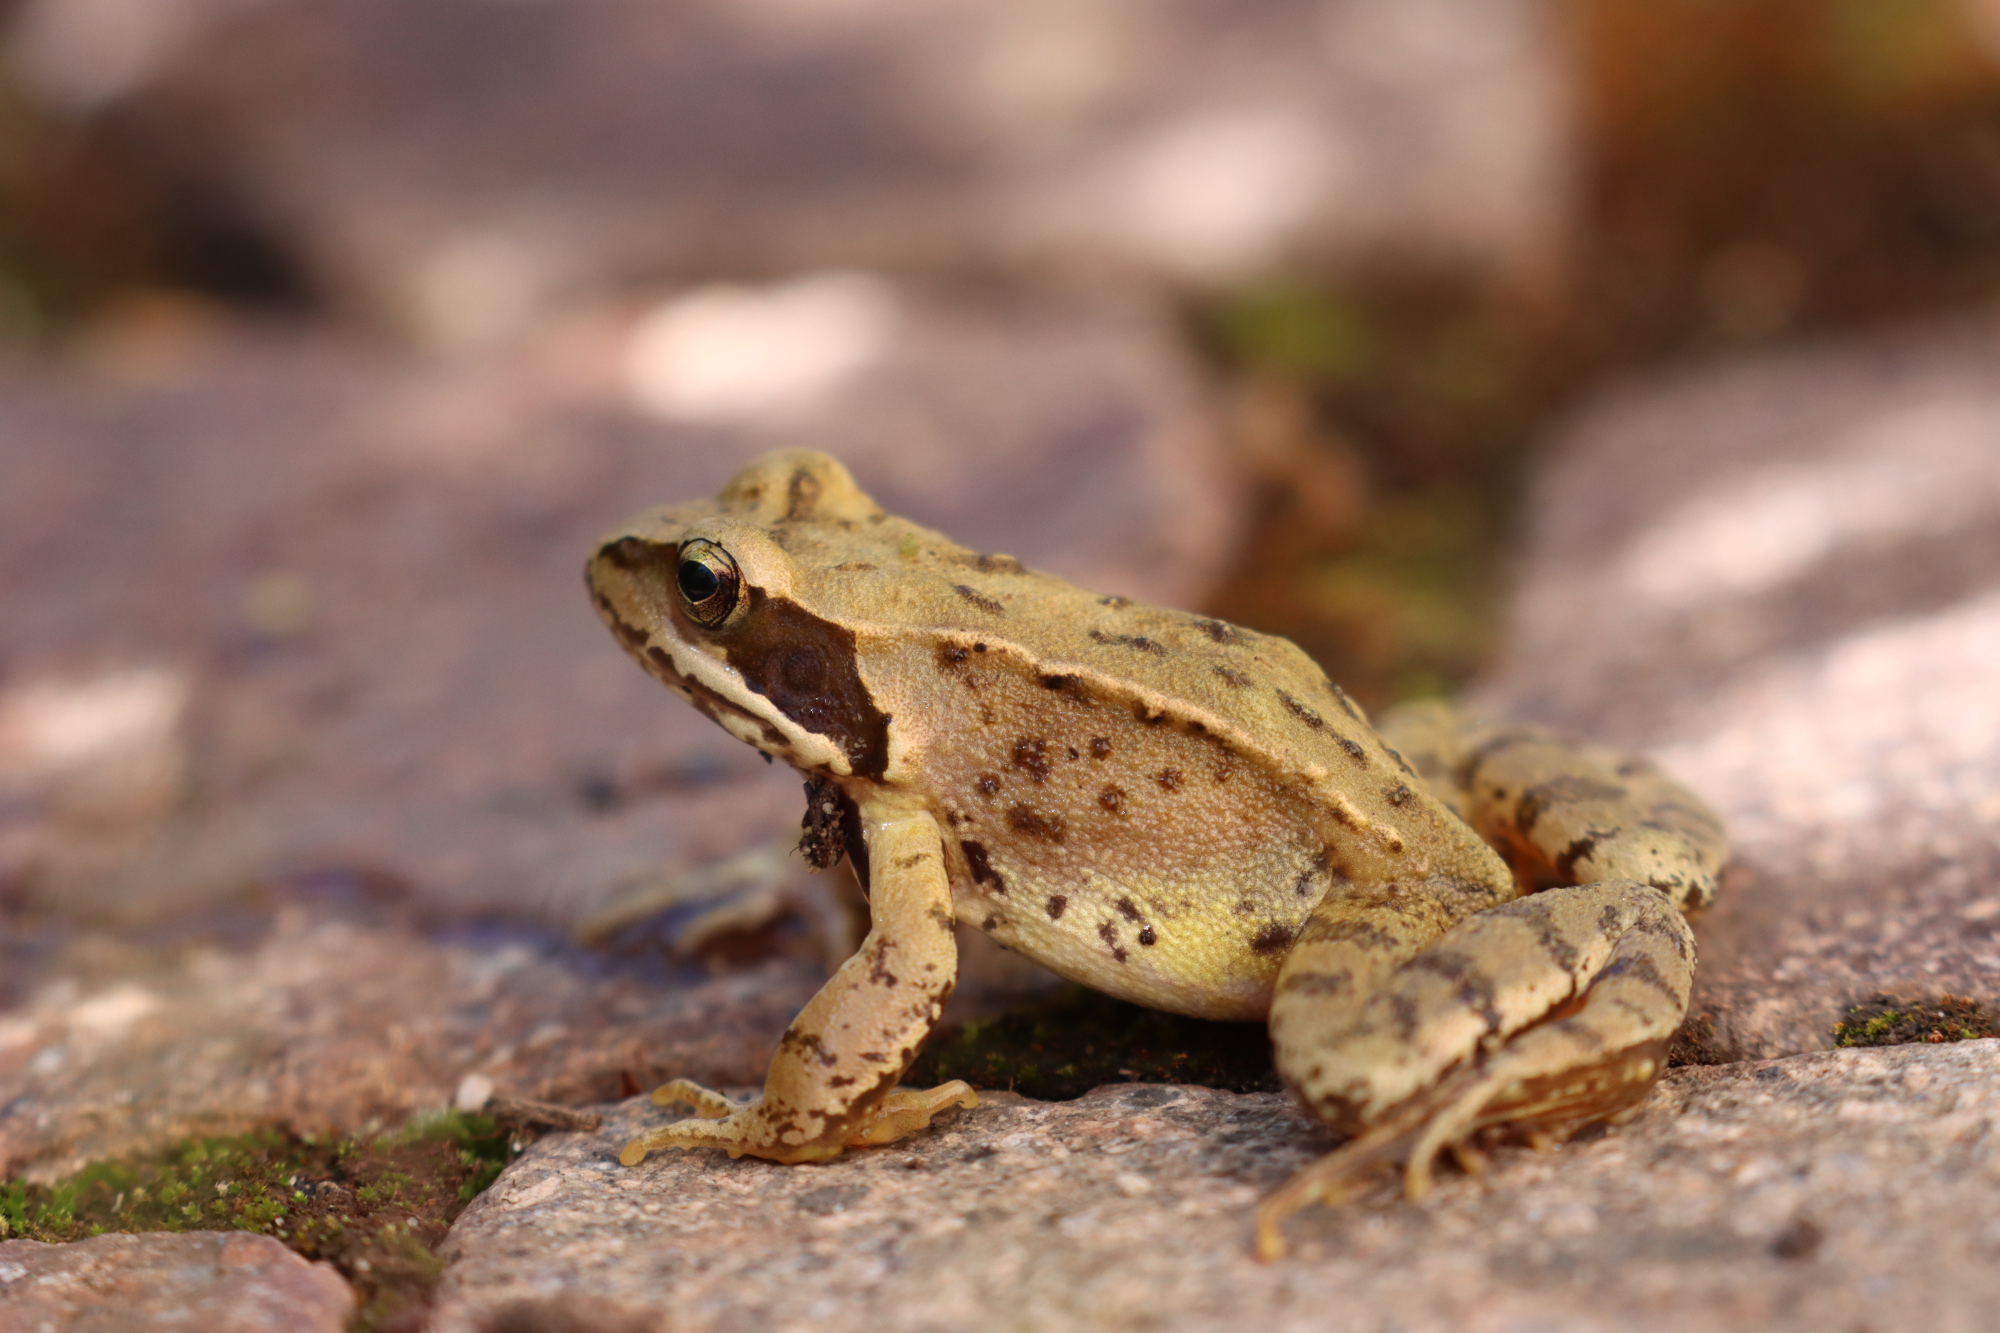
[[332, 334], [1393, 240]]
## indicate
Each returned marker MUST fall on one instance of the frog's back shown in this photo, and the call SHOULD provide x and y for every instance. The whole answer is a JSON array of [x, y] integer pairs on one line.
[[1236, 785]]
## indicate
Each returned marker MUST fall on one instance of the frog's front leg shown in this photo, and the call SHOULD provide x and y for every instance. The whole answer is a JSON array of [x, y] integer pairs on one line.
[[829, 1084]]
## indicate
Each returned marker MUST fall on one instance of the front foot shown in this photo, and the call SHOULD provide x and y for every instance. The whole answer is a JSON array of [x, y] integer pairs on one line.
[[761, 1130], [903, 1113]]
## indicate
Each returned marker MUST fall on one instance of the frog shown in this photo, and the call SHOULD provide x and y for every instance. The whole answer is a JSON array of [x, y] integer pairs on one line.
[[1457, 931]]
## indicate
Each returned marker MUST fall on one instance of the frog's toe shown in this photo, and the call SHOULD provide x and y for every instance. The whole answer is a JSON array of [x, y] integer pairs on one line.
[[1329, 1180], [902, 1113], [707, 1103]]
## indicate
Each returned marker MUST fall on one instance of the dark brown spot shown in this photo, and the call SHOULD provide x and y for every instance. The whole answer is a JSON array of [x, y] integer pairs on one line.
[[1576, 851], [1115, 603], [998, 564], [802, 495], [981, 866], [1108, 932], [979, 599], [1031, 755], [1300, 711], [1234, 679], [1397, 794], [636, 554], [1545, 796], [1128, 909], [1137, 642], [1316, 983], [1641, 970], [1219, 631], [1340, 698], [1055, 905], [1274, 938], [1147, 937], [1168, 778], [1100, 746], [952, 657], [1058, 682], [1112, 798], [855, 567], [1026, 819], [988, 924], [878, 964], [1152, 717], [806, 667], [988, 784], [1354, 751]]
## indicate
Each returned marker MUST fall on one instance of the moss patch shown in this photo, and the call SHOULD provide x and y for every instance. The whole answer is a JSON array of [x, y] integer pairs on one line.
[[375, 1208], [1888, 1021], [1079, 1039]]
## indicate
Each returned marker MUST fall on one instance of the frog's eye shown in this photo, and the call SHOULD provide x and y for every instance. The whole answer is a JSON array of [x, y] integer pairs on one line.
[[709, 583]]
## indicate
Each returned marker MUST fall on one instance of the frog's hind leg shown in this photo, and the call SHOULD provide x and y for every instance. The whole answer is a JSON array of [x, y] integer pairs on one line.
[[1564, 813], [1543, 1015]]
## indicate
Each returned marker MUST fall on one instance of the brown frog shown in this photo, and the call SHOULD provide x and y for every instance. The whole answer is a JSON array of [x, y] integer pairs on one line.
[[1453, 928]]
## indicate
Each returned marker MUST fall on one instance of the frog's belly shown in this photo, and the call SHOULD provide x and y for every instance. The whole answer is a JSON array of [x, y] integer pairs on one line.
[[1207, 942]]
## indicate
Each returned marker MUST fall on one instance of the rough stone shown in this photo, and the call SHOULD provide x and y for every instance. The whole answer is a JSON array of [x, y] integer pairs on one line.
[[217, 1281], [1846, 1189], [332, 1023], [435, 158], [280, 604], [1783, 577]]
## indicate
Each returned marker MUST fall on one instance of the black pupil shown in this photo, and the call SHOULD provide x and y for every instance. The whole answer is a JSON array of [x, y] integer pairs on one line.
[[698, 581]]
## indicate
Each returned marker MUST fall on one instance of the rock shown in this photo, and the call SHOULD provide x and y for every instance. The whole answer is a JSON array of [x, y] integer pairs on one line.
[[1783, 578], [1844, 1189], [218, 1281], [330, 1022], [281, 605], [460, 166]]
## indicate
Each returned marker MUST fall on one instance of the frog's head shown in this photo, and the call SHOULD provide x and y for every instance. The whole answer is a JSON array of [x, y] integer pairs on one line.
[[705, 597]]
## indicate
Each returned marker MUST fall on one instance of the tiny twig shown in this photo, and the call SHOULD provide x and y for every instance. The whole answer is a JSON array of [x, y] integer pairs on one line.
[[541, 1115]]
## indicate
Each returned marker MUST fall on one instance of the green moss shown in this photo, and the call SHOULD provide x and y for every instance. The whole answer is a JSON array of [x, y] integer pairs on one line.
[[372, 1207], [1888, 1021], [1078, 1039]]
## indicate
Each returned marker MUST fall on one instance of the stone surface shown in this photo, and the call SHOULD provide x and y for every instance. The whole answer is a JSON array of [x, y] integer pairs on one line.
[[216, 1281], [279, 604], [1844, 1190], [332, 1021], [434, 158], [1783, 577]]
